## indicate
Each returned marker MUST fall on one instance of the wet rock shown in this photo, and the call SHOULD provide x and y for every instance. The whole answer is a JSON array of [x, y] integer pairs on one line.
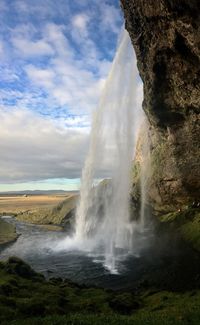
[[166, 38], [15, 265]]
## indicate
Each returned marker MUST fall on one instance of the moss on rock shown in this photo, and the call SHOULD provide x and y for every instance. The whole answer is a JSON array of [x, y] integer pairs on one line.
[[187, 223]]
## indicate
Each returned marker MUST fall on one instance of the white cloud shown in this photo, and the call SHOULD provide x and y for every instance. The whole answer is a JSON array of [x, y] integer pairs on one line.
[[34, 148], [7, 74], [22, 30], [42, 77], [46, 9], [80, 22], [73, 76], [54, 34], [58, 68], [67, 79], [110, 17], [30, 48]]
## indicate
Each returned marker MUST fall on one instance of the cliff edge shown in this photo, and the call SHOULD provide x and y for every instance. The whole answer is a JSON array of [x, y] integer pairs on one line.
[[166, 38]]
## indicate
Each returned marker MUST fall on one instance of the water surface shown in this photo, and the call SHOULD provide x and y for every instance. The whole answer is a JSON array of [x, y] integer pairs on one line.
[[40, 248]]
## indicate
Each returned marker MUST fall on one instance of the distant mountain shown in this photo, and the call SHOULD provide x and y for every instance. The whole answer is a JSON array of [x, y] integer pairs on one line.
[[37, 192]]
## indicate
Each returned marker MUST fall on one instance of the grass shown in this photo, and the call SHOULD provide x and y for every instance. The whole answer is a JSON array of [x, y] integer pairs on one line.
[[7, 232], [16, 204], [27, 298], [146, 318], [187, 223]]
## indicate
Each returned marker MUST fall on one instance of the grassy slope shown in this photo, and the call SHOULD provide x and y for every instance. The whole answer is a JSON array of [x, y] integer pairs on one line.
[[27, 298], [186, 223], [7, 232], [52, 215], [16, 204]]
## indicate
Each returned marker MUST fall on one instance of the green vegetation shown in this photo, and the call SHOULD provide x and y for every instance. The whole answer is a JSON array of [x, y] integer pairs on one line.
[[187, 223], [138, 319], [57, 215], [27, 298], [158, 163], [7, 232]]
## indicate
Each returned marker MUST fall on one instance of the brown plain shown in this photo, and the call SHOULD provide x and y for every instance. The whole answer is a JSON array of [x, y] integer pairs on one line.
[[19, 203]]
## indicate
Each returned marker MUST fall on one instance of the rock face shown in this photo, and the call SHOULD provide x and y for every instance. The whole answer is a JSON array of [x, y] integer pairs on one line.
[[166, 38]]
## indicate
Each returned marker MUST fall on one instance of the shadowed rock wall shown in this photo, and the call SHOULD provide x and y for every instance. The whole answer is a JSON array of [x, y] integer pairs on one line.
[[166, 38]]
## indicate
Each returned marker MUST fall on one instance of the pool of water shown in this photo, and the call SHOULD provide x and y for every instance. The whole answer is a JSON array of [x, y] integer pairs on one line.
[[164, 261], [42, 250]]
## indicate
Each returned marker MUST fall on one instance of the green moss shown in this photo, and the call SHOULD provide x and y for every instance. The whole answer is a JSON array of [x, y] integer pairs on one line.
[[7, 232], [34, 300], [158, 159], [187, 223], [136, 170], [169, 217], [191, 231], [124, 303], [176, 316], [135, 191]]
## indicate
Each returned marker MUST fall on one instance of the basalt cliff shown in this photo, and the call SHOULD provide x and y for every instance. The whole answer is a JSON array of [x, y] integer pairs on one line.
[[166, 38]]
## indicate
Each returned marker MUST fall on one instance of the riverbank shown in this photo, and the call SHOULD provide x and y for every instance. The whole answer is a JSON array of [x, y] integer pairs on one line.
[[8, 233], [39, 209], [16, 204]]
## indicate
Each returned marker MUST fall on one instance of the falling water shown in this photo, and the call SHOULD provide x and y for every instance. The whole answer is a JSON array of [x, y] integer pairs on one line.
[[144, 174], [102, 217]]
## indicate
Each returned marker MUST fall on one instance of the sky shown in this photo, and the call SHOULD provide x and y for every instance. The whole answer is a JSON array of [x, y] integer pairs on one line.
[[54, 59]]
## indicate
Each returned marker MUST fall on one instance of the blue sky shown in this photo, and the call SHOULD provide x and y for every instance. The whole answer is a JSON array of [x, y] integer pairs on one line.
[[55, 56]]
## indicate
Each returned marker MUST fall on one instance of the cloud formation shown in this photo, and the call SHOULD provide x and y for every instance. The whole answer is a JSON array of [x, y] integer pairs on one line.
[[55, 57], [35, 148]]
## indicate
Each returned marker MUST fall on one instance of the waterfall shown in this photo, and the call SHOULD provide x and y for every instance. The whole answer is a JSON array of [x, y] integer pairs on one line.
[[102, 216], [144, 174]]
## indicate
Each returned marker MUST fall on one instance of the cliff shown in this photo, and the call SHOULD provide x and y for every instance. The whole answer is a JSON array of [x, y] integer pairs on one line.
[[166, 38]]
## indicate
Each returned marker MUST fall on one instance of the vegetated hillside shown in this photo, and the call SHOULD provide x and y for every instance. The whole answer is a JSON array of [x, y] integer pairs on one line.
[[7, 232], [56, 215], [27, 298]]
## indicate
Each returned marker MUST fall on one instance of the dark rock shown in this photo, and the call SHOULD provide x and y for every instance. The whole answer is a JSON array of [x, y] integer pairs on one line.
[[56, 280], [166, 38], [32, 307], [124, 303], [16, 266]]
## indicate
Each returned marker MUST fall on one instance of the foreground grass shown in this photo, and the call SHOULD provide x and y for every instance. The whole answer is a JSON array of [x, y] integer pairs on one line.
[[137, 319], [27, 298]]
